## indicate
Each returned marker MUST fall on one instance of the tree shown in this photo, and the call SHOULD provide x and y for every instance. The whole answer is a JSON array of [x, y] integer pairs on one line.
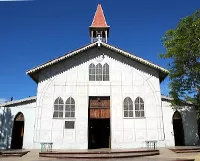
[[182, 46]]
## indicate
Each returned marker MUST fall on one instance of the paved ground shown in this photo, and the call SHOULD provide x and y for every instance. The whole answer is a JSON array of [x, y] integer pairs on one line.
[[164, 153]]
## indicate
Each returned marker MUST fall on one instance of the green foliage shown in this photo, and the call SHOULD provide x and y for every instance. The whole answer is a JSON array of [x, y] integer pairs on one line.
[[182, 46]]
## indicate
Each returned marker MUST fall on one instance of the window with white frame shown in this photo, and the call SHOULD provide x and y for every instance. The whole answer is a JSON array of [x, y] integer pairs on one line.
[[70, 107], [139, 107], [92, 72], [58, 108], [106, 72], [98, 72], [128, 107]]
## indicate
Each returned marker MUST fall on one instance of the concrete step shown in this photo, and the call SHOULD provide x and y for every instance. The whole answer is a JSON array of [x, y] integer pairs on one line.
[[100, 154], [13, 153], [186, 149]]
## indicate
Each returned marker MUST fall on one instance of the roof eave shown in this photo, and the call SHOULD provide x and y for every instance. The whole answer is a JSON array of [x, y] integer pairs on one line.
[[15, 102], [34, 76], [99, 27], [169, 99], [162, 76], [33, 72], [162, 72]]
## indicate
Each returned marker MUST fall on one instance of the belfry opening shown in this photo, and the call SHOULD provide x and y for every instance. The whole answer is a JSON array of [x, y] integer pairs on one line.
[[99, 28]]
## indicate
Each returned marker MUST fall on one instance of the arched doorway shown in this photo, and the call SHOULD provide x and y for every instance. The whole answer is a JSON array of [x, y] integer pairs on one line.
[[178, 129], [18, 132]]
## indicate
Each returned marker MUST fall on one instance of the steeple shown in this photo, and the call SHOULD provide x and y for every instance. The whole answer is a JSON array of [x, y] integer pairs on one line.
[[99, 28]]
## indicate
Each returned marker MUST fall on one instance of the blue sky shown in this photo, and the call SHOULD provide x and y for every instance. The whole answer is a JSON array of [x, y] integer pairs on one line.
[[34, 32]]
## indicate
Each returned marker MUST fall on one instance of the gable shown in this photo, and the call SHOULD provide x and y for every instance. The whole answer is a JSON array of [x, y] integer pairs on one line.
[[33, 73]]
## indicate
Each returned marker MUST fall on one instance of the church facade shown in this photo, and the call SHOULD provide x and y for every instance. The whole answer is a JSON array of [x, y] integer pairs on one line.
[[97, 96]]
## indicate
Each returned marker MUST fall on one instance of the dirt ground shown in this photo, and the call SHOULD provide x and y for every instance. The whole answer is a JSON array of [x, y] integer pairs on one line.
[[164, 154]]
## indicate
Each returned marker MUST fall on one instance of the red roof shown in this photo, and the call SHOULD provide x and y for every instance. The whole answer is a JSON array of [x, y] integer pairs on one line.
[[99, 19]]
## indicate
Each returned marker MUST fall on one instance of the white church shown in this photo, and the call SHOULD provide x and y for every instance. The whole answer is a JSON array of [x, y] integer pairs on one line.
[[97, 96]]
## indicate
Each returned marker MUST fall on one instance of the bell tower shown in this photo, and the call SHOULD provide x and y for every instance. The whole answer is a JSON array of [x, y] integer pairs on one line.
[[99, 30]]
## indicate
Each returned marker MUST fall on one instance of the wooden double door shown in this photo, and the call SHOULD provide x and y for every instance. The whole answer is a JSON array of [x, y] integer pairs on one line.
[[99, 122]]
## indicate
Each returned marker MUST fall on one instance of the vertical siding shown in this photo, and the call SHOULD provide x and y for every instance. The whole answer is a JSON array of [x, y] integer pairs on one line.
[[71, 79]]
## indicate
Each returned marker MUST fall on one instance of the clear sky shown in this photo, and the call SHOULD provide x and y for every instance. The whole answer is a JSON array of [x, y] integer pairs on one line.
[[34, 32]]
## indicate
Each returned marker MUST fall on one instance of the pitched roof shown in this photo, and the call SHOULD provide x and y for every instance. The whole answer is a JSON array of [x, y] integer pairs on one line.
[[166, 98], [162, 71], [99, 18], [24, 100]]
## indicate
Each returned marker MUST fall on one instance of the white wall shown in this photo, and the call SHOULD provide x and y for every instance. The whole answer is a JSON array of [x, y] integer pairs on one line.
[[7, 116], [70, 78], [190, 125], [189, 120]]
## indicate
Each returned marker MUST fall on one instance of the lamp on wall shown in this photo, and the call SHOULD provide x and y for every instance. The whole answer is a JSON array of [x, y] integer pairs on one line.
[[103, 56], [98, 99]]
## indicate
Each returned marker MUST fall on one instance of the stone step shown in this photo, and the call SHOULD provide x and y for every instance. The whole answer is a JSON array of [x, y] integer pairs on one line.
[[98, 155], [188, 151], [13, 153], [191, 149], [107, 151]]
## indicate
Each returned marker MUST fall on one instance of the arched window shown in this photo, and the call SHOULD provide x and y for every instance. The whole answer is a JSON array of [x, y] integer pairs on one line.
[[70, 107], [99, 72], [139, 107], [92, 72], [128, 107], [58, 108], [106, 72]]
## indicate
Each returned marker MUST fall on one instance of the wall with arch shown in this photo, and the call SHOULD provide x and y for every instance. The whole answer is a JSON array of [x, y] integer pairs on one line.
[[7, 116], [127, 78], [189, 121], [70, 79]]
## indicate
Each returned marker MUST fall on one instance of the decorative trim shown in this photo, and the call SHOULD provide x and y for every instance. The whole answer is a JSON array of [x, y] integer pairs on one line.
[[134, 57], [30, 72], [54, 61]]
